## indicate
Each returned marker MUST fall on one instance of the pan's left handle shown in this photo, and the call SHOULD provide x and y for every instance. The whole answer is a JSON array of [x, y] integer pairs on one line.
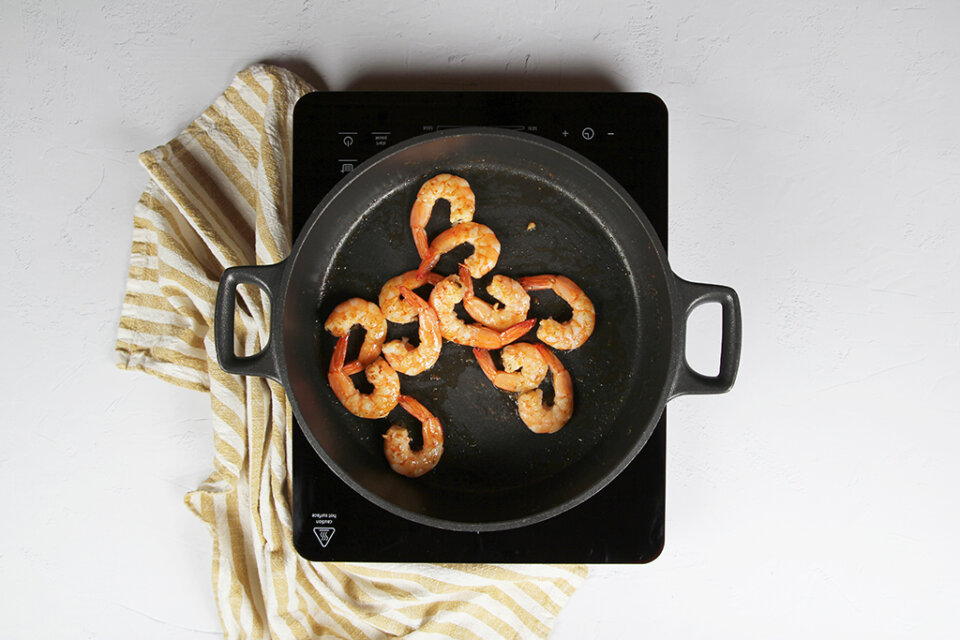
[[692, 295], [265, 363]]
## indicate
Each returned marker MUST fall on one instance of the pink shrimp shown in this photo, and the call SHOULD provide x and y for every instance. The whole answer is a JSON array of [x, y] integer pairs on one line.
[[515, 300], [575, 331], [385, 381], [396, 442], [538, 417], [392, 304], [357, 311], [445, 297], [445, 186], [406, 358], [486, 248], [523, 367]]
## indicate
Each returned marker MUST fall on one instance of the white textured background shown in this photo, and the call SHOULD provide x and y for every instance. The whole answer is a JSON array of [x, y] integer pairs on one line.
[[815, 167]]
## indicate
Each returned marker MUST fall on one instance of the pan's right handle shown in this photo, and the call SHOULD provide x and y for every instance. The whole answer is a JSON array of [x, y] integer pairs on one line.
[[692, 295], [264, 363]]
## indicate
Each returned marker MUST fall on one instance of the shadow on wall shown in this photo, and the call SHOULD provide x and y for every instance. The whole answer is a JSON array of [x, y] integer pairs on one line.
[[568, 78], [444, 79]]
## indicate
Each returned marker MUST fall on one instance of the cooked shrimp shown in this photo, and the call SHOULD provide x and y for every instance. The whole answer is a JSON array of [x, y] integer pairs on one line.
[[385, 381], [575, 331], [393, 306], [357, 311], [515, 300], [538, 417], [406, 358], [445, 297], [396, 442], [445, 186], [486, 248], [523, 367]]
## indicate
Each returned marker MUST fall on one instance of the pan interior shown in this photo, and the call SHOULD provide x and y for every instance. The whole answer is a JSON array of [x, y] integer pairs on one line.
[[493, 468]]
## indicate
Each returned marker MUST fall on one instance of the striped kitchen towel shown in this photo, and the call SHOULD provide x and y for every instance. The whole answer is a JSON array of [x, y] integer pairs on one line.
[[219, 196]]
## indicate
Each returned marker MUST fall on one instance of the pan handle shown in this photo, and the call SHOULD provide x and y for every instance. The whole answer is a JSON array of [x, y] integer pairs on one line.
[[692, 295], [264, 363]]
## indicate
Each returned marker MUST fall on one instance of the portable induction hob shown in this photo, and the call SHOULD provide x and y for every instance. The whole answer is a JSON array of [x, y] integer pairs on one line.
[[624, 133]]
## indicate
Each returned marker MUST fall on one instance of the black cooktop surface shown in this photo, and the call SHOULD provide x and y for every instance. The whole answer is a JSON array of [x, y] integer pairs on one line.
[[626, 134]]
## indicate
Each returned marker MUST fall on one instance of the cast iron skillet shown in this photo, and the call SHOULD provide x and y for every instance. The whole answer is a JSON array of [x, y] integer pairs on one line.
[[494, 474]]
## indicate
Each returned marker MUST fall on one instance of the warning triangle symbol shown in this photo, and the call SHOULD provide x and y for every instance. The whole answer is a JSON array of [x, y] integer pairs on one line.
[[324, 534]]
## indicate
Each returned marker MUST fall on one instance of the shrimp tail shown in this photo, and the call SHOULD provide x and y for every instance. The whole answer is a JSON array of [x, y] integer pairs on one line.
[[414, 408], [427, 264], [339, 355], [533, 283], [550, 358], [467, 281], [351, 368], [517, 331], [413, 298], [420, 239], [337, 364], [485, 362]]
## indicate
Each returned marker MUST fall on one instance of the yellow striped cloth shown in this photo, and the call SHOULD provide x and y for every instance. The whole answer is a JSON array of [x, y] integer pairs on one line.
[[218, 196]]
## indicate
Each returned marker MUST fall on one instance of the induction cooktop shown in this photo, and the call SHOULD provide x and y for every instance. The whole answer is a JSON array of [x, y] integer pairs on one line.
[[625, 134]]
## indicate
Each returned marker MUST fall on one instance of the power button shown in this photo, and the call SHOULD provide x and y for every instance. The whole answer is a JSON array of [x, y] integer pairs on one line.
[[587, 133]]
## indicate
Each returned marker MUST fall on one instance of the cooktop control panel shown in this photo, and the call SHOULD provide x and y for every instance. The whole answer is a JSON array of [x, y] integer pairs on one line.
[[625, 133]]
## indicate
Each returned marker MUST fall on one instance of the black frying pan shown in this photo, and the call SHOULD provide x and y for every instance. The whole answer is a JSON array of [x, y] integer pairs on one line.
[[494, 473]]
